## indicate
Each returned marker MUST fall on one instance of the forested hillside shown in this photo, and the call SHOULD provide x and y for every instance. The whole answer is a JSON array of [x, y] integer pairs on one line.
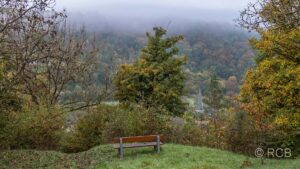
[[71, 89], [208, 48]]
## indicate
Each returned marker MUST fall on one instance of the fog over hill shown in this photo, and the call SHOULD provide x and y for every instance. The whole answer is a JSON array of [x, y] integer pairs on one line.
[[141, 16]]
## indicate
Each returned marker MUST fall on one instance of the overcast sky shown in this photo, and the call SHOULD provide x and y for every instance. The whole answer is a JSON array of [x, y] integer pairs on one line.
[[92, 11], [95, 5]]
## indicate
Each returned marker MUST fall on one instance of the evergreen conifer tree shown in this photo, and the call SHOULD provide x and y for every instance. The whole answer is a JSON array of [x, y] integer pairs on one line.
[[156, 79]]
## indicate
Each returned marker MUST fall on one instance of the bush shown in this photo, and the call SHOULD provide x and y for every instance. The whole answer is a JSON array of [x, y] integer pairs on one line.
[[90, 130], [4, 131], [241, 136], [198, 132], [9, 104], [106, 122], [145, 121], [36, 128], [280, 139]]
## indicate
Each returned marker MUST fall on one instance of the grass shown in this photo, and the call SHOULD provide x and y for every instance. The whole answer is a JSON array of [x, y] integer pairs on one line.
[[172, 156], [32, 159]]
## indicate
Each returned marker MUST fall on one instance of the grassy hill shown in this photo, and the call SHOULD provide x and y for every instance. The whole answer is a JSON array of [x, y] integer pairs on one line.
[[172, 156]]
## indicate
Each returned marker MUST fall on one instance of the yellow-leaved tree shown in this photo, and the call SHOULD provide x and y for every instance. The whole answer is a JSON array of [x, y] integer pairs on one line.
[[271, 91]]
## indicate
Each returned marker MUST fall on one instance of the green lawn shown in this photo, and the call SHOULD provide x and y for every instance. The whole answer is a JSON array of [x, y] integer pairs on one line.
[[172, 156]]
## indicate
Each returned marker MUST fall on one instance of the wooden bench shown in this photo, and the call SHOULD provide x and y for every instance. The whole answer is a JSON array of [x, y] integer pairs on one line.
[[138, 141]]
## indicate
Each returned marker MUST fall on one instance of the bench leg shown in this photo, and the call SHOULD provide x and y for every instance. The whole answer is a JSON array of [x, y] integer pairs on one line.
[[121, 149], [121, 152], [157, 144]]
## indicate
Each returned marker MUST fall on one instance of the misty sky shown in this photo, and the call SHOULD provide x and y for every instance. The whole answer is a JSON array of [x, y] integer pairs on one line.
[[95, 5], [128, 11]]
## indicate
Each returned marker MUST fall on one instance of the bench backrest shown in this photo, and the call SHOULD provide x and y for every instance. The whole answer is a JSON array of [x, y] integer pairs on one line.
[[149, 138]]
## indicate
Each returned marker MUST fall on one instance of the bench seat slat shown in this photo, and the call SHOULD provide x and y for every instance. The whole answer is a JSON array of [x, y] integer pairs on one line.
[[149, 138], [132, 145]]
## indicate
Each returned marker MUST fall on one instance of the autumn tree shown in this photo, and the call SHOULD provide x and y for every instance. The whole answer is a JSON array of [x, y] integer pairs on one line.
[[40, 54], [156, 79], [41, 58], [270, 93]]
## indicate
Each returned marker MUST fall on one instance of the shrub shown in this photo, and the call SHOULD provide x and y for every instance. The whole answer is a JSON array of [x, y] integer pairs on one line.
[[198, 132], [241, 135], [36, 128], [9, 104], [90, 130], [105, 122], [145, 121], [4, 131]]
